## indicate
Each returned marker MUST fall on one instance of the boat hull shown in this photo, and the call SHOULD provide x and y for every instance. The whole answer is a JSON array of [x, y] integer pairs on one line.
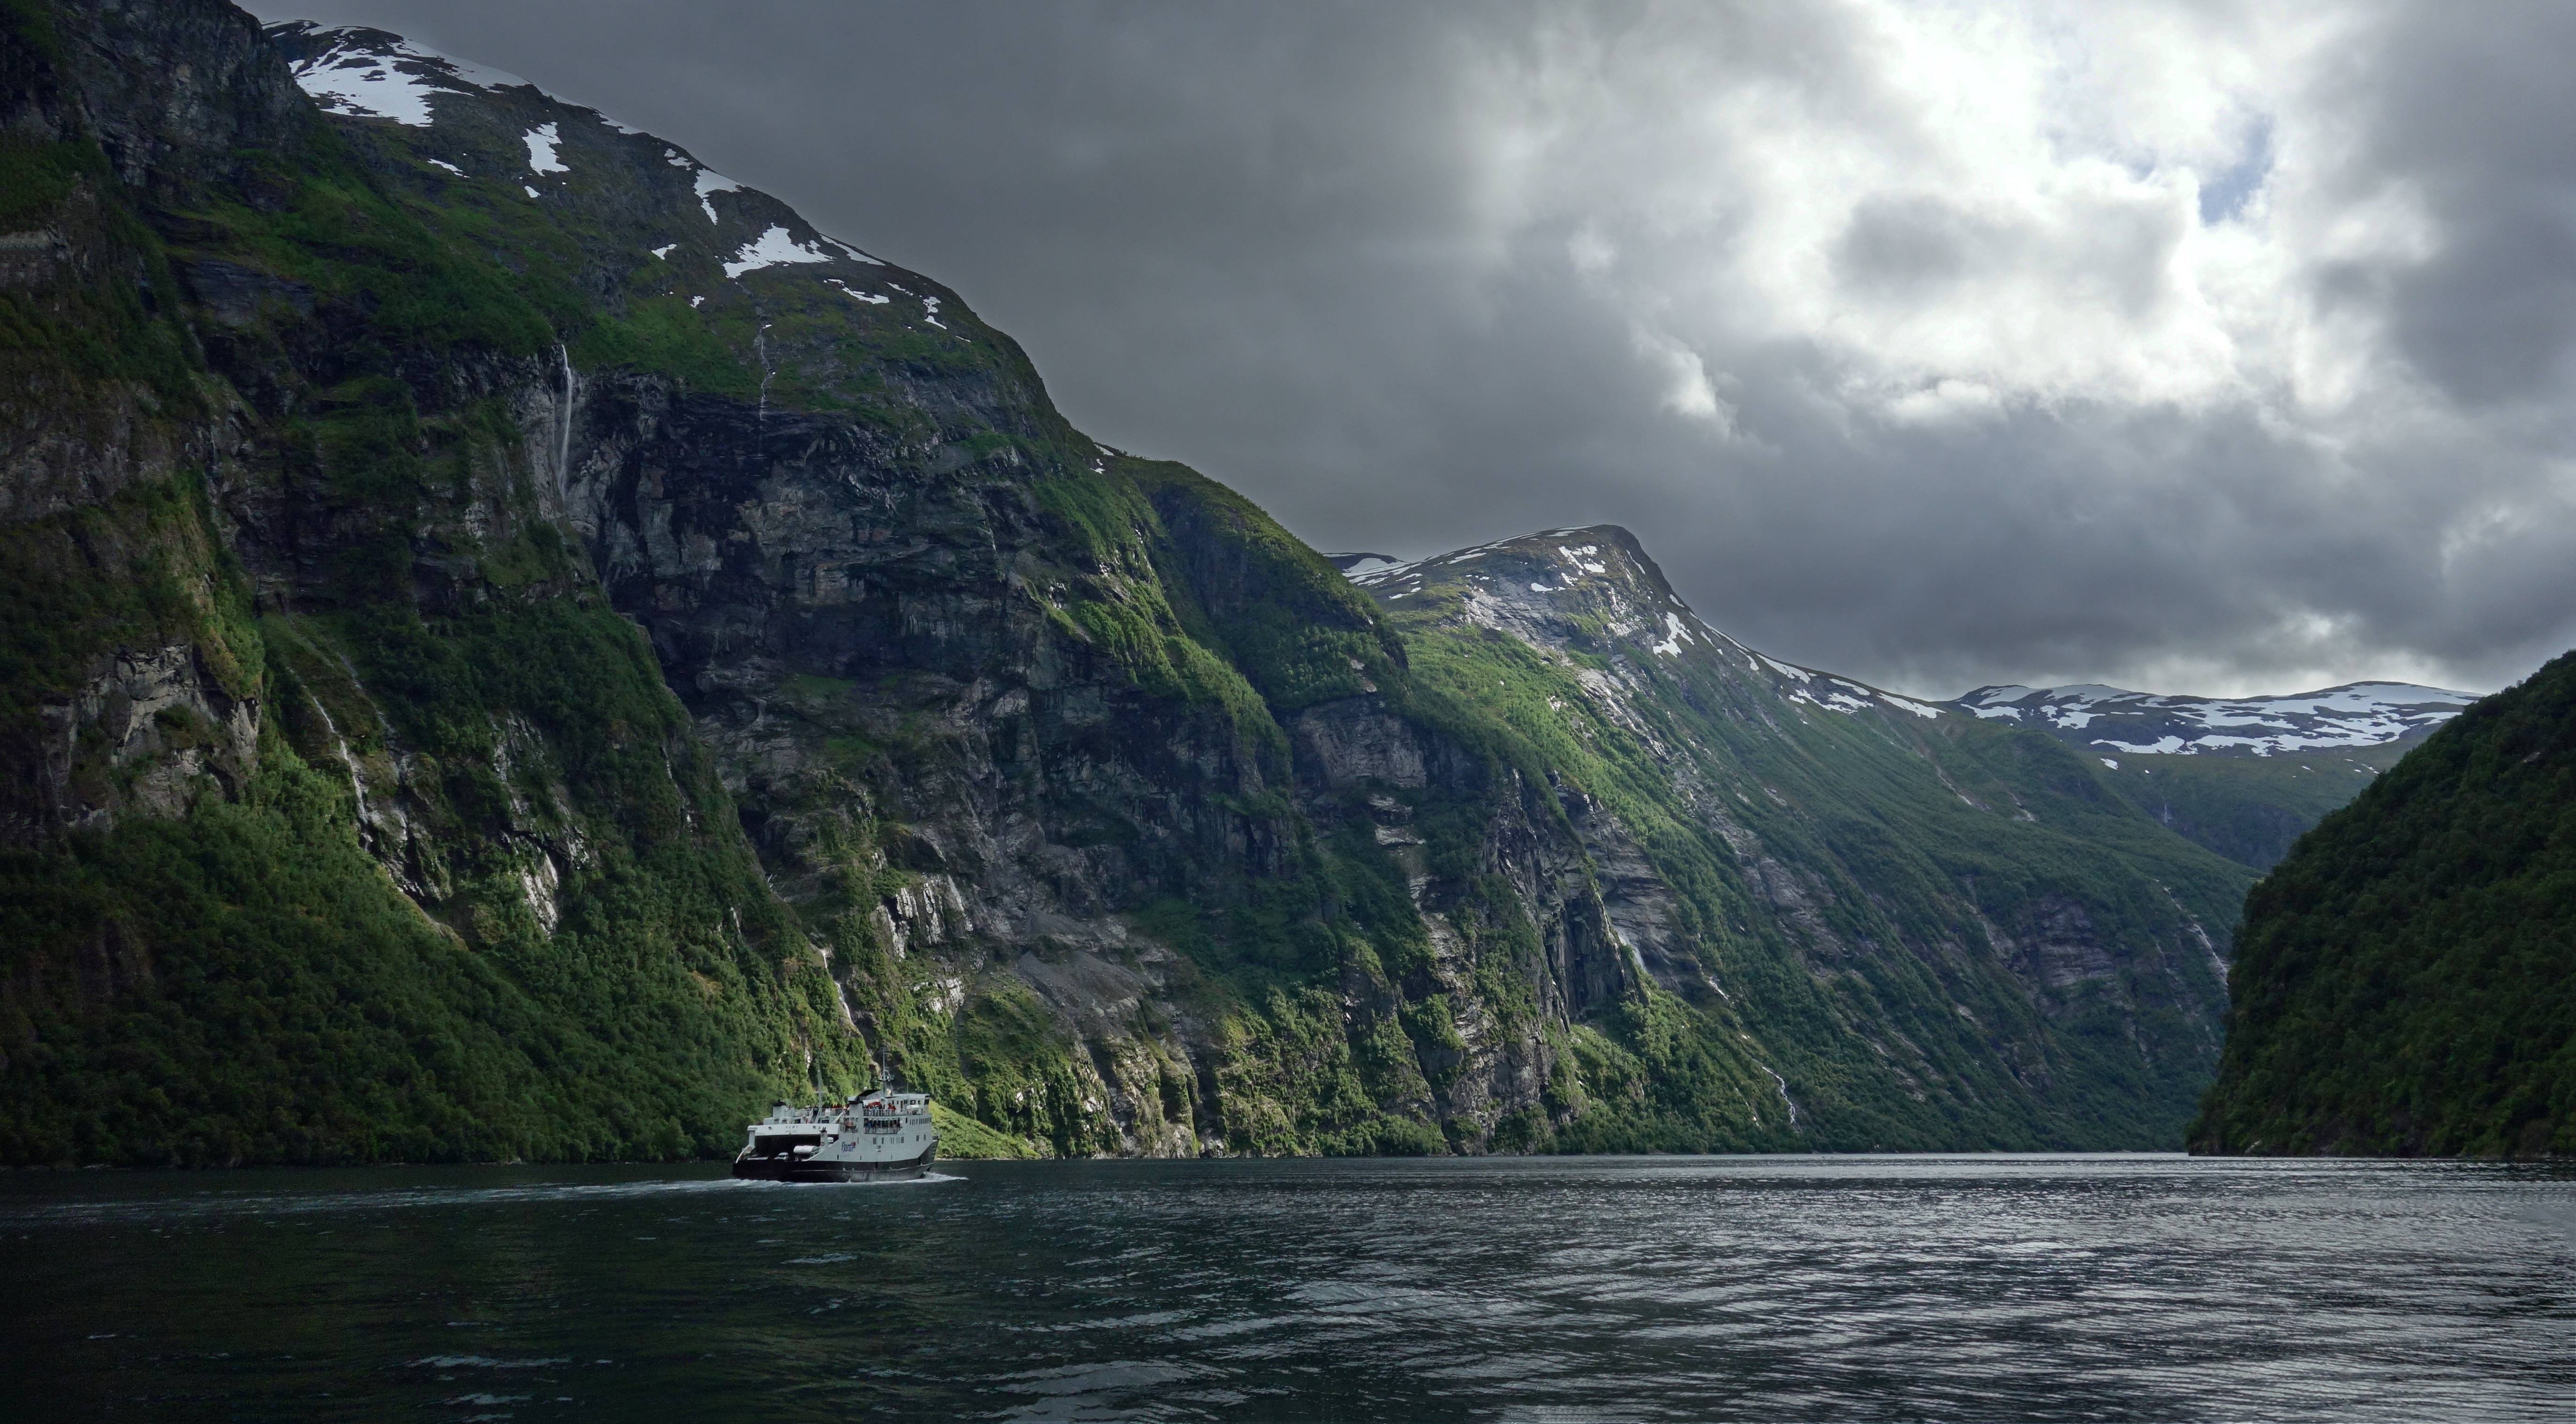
[[790, 1169]]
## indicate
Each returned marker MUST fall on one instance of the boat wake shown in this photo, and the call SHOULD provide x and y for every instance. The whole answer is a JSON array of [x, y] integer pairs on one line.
[[220, 1204], [927, 1178]]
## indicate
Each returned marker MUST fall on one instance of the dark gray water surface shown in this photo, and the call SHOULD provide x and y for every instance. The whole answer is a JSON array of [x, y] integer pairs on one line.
[[1625, 1288]]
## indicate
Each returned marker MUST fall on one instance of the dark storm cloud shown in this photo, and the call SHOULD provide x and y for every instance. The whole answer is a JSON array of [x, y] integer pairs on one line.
[[1901, 365], [2474, 109]]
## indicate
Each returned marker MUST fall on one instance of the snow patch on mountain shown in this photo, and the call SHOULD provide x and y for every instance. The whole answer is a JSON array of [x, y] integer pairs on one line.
[[1798, 673], [1357, 566], [774, 248], [711, 182], [541, 142], [369, 74]]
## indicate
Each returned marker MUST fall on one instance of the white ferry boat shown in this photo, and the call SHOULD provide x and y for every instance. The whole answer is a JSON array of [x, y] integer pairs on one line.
[[875, 1137]]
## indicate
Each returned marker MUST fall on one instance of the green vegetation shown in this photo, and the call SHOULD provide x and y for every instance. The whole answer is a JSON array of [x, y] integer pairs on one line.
[[141, 569], [2405, 982], [1916, 846], [586, 964], [100, 334], [1253, 593], [2249, 809], [352, 246], [245, 985]]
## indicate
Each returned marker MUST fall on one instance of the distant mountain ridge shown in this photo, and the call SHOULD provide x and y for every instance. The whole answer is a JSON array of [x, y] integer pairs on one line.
[[2116, 721], [2244, 777]]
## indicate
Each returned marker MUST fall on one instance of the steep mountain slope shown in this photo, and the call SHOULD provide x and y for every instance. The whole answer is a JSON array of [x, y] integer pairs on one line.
[[344, 820], [358, 823], [356, 819], [2243, 776], [2407, 978], [1956, 917]]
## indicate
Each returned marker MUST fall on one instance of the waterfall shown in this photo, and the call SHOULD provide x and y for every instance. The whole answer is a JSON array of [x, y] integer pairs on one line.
[[357, 781], [1784, 1094], [760, 346], [563, 422]]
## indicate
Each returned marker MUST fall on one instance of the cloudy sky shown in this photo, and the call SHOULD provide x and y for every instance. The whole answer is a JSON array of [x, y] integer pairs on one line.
[[2206, 347]]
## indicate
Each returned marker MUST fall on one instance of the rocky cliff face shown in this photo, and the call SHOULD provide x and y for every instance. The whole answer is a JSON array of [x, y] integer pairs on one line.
[[952, 744], [346, 822]]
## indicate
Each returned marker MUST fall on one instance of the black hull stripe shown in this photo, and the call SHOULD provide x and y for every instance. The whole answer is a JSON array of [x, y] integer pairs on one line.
[[774, 1169]]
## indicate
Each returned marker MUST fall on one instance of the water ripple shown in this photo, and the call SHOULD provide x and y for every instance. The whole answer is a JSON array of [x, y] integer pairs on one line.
[[1658, 1288]]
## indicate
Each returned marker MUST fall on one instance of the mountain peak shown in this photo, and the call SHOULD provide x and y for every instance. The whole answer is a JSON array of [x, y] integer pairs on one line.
[[490, 125], [690, 262], [1548, 562], [1558, 586], [1595, 590], [364, 73]]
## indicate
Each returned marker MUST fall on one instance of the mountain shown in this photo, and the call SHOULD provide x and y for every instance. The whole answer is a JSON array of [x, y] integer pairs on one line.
[[2109, 720], [2244, 776], [517, 645], [345, 818], [2406, 979], [1961, 914]]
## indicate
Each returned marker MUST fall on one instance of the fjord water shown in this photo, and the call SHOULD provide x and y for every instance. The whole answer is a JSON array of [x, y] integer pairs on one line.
[[1631, 1288]]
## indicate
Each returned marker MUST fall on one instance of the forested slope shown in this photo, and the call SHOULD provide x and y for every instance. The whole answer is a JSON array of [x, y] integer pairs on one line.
[[2405, 981]]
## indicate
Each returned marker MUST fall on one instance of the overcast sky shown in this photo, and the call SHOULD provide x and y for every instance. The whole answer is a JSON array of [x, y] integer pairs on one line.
[[2201, 347]]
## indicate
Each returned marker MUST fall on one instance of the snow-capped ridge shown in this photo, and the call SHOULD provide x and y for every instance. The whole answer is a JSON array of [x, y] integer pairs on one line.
[[362, 73], [2094, 716], [373, 74], [1353, 565]]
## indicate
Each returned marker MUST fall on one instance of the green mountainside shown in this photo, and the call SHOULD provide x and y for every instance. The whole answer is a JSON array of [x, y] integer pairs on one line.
[[517, 646], [344, 819], [2250, 809], [1944, 930], [2406, 980]]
